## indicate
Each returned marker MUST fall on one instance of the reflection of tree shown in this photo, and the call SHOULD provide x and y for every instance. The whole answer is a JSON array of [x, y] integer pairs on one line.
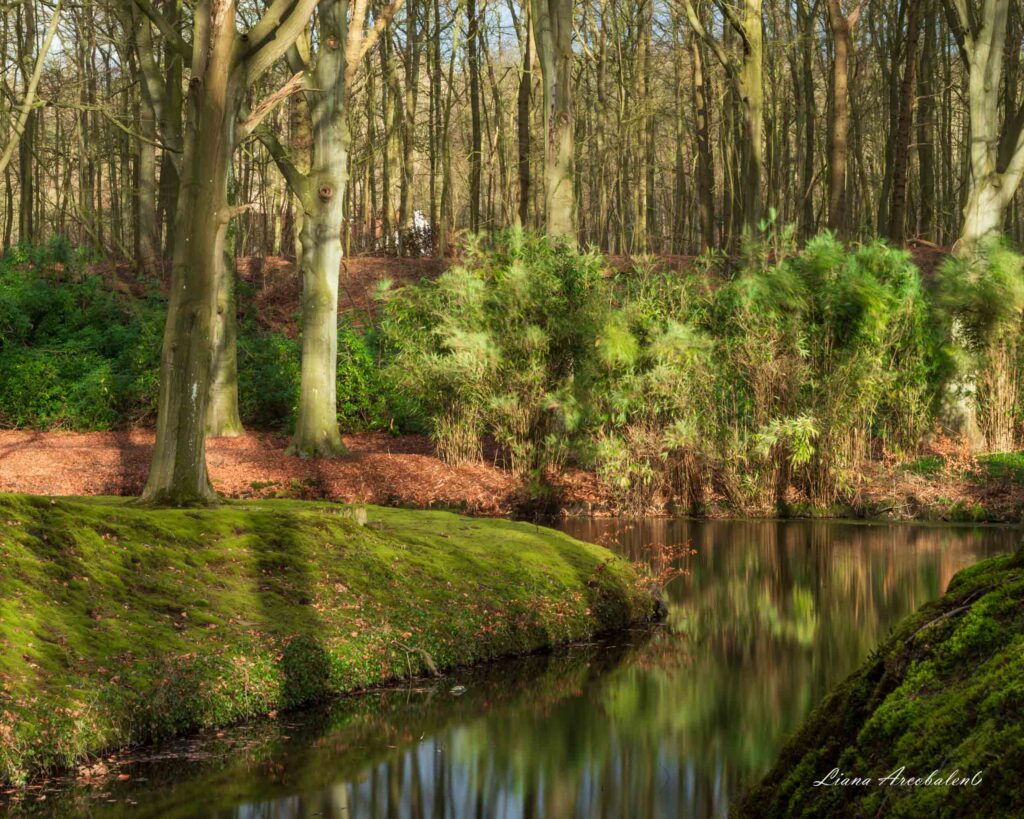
[[769, 617]]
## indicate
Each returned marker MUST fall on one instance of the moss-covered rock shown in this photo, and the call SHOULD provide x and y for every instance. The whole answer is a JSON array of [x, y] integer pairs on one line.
[[945, 693], [120, 624]]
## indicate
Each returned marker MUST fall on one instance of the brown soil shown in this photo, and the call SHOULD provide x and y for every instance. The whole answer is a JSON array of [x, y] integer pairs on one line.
[[379, 469], [405, 471]]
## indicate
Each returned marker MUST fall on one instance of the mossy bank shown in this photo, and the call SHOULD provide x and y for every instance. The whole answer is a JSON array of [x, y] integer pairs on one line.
[[945, 692], [121, 625]]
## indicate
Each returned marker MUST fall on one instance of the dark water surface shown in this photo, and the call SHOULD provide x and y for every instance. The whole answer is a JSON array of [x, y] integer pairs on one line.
[[671, 722]]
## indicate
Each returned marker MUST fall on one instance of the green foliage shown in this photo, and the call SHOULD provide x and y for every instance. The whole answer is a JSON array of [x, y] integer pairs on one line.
[[927, 465], [75, 354], [784, 371], [787, 370], [1004, 466], [365, 401], [499, 347], [269, 365], [983, 300]]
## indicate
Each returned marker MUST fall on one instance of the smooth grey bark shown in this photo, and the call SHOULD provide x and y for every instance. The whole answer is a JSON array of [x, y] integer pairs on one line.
[[996, 150], [553, 21], [321, 193]]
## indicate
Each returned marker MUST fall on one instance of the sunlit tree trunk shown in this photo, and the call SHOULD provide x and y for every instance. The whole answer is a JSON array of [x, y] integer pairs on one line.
[[842, 26], [223, 65], [996, 152], [321, 193], [178, 474], [552, 21], [705, 166]]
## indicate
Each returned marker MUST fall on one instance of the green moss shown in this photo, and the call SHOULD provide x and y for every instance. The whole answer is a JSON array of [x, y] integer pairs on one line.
[[1007, 467], [944, 692], [120, 624], [927, 465]]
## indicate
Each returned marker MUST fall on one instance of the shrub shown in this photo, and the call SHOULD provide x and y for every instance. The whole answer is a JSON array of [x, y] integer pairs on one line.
[[784, 371], [983, 299], [75, 354], [499, 347]]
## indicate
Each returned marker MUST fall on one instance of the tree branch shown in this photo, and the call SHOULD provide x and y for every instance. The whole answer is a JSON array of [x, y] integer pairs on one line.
[[30, 90], [174, 38], [379, 24], [274, 34], [268, 104], [297, 181], [727, 62]]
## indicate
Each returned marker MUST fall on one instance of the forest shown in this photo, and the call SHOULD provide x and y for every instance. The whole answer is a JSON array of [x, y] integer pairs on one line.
[[741, 202], [301, 299]]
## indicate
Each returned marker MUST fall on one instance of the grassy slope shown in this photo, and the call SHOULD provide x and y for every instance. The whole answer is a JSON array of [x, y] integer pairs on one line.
[[945, 691], [120, 625]]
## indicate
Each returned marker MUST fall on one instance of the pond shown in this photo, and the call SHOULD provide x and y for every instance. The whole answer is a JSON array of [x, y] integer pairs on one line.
[[665, 722]]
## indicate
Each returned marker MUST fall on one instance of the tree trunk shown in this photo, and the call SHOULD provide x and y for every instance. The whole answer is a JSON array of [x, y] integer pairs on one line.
[[178, 474], [992, 184], [751, 86], [926, 131], [222, 416], [224, 64], [323, 192], [705, 166], [901, 152], [476, 132], [842, 28], [523, 121], [553, 21]]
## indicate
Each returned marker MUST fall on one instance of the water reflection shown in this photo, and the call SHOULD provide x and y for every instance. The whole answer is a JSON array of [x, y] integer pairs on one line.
[[670, 723]]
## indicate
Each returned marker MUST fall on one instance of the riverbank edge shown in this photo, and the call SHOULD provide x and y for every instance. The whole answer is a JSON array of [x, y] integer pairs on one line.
[[122, 626], [941, 694]]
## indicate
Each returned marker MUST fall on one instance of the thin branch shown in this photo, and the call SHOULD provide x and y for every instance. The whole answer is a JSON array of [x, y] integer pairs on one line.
[[30, 91], [297, 181], [274, 34], [268, 104], [174, 38], [379, 24], [723, 57]]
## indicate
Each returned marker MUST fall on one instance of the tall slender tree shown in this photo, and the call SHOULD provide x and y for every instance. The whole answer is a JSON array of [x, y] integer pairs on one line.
[[327, 75], [553, 25], [746, 76]]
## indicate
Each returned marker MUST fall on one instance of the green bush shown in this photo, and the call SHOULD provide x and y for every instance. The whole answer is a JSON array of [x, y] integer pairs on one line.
[[983, 299], [499, 348], [671, 386], [783, 372], [75, 354]]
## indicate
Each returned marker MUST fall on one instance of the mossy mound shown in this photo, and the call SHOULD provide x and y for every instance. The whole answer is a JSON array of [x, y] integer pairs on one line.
[[945, 692], [121, 625]]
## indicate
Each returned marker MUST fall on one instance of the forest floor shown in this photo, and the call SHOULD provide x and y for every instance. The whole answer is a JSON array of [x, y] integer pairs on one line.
[[406, 471]]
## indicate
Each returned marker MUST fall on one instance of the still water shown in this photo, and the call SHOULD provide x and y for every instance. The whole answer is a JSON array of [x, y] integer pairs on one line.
[[669, 722]]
